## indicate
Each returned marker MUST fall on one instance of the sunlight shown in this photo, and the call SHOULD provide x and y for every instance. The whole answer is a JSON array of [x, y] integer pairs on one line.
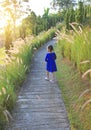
[[38, 8], [2, 23], [3, 18], [8, 13]]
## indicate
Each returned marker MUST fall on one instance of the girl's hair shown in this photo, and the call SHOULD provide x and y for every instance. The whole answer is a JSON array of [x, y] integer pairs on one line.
[[50, 47]]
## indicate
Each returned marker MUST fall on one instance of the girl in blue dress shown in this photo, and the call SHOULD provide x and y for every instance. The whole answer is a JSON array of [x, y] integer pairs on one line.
[[50, 63]]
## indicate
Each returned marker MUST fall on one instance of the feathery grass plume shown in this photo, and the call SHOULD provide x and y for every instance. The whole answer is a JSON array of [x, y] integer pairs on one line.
[[13, 58], [83, 93], [14, 51], [80, 97], [74, 27], [7, 59], [70, 40], [26, 68], [7, 115], [65, 36], [58, 33], [84, 62], [7, 97], [0, 93], [88, 71], [85, 104], [3, 90], [80, 29], [18, 60]]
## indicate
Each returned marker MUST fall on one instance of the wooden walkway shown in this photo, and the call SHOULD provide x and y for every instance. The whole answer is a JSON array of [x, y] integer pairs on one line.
[[39, 105]]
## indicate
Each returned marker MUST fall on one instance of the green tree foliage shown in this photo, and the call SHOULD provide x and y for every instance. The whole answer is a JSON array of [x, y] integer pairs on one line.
[[88, 1], [63, 4], [39, 26], [35, 24], [45, 18], [88, 10], [69, 17], [28, 25], [80, 12]]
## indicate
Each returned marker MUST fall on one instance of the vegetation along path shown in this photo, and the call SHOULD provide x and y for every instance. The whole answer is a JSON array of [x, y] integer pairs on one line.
[[39, 105]]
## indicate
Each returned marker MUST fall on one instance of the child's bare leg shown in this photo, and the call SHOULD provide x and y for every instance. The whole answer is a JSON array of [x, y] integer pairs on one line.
[[47, 74], [53, 77]]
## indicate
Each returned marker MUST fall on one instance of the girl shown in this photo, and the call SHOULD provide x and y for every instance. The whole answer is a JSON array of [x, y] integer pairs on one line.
[[50, 63]]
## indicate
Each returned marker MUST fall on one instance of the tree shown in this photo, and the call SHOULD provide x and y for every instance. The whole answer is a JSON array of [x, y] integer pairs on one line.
[[8, 14], [67, 20], [11, 11], [63, 4], [46, 17], [80, 12], [39, 25], [88, 10], [11, 8], [71, 15], [28, 25], [88, 1], [54, 19], [14, 10]]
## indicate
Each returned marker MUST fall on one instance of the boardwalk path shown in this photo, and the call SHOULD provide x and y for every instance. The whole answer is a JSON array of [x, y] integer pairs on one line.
[[39, 105]]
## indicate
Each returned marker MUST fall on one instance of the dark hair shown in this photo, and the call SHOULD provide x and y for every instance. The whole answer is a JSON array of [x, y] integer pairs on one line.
[[50, 47]]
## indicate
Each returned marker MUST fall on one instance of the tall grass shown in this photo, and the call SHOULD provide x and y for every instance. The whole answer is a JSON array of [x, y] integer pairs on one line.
[[76, 46], [13, 72], [76, 93]]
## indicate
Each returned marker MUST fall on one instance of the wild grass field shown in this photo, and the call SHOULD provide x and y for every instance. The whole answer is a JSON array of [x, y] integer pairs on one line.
[[74, 64]]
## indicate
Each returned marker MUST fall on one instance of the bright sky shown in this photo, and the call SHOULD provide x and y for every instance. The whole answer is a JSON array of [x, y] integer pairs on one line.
[[38, 5]]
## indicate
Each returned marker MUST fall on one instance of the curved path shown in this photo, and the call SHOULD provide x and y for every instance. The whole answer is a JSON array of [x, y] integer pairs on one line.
[[39, 105]]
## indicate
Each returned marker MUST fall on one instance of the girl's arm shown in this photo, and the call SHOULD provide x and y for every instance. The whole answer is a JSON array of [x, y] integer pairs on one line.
[[46, 58], [55, 57]]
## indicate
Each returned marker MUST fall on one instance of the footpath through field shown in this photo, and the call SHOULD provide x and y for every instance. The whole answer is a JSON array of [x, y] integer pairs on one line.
[[39, 105]]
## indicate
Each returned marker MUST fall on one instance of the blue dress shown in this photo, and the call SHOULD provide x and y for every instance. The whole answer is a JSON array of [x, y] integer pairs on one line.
[[50, 60]]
